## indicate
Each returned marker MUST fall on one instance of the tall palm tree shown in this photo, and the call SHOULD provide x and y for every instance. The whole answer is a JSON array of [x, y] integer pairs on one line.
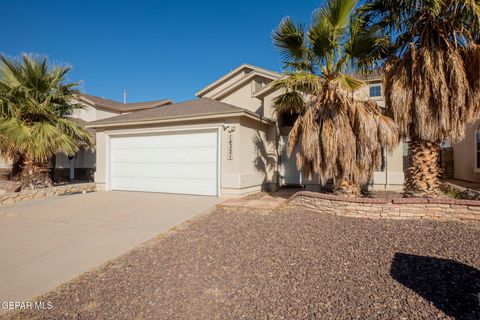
[[339, 135], [34, 102], [432, 79]]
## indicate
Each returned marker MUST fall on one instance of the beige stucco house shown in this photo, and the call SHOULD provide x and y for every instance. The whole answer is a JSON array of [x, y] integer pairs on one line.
[[83, 164], [466, 155], [228, 141]]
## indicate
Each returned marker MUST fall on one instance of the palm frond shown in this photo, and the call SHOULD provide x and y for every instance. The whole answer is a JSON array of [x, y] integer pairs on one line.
[[322, 37], [336, 136], [289, 39], [300, 81], [349, 83], [34, 100], [366, 47], [338, 12]]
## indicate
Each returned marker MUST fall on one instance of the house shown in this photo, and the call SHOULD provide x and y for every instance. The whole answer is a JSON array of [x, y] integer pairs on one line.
[[466, 155], [228, 141], [82, 165]]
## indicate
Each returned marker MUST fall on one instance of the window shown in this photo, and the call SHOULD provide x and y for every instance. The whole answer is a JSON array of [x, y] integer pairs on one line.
[[477, 151], [376, 91]]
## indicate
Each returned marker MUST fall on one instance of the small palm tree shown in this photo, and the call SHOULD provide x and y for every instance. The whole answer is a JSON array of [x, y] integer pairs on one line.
[[34, 102], [432, 79], [339, 136]]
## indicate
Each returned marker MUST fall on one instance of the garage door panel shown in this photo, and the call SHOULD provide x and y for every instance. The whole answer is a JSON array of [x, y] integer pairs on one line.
[[175, 171], [172, 163], [167, 186], [159, 155], [165, 140]]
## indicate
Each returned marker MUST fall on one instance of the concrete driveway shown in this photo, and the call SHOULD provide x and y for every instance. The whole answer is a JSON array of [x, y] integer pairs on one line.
[[46, 242]]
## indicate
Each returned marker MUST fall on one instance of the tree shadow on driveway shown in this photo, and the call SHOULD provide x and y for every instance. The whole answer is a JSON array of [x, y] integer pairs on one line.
[[451, 286]]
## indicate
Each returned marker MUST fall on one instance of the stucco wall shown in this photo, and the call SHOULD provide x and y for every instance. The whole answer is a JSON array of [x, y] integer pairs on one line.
[[392, 176], [89, 113], [268, 101], [234, 78], [258, 163], [242, 97], [4, 164], [83, 159], [464, 156]]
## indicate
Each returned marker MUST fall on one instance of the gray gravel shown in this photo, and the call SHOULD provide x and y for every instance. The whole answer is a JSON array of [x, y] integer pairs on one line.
[[290, 265]]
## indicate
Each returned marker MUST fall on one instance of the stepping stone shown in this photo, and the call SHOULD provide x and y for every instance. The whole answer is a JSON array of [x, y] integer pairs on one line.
[[233, 203], [261, 204]]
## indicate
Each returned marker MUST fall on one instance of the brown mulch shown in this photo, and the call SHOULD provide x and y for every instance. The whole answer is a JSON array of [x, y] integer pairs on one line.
[[285, 265]]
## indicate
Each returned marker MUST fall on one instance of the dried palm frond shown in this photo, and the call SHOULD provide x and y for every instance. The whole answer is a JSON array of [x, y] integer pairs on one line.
[[432, 79], [340, 139], [430, 93], [337, 137]]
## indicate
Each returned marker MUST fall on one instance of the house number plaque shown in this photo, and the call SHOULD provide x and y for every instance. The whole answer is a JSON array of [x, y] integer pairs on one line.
[[230, 147]]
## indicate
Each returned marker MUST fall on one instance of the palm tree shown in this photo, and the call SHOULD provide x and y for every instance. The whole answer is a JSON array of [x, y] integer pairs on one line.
[[432, 78], [34, 102], [339, 135]]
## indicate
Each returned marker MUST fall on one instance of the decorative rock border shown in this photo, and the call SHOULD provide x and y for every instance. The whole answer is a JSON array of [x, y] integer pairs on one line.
[[9, 186], [47, 192], [444, 209], [465, 193]]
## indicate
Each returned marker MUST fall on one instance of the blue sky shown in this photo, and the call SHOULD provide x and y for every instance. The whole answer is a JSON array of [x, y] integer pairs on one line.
[[154, 49]]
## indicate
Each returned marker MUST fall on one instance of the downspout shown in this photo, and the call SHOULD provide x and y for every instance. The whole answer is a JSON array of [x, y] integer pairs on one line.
[[386, 168], [72, 168]]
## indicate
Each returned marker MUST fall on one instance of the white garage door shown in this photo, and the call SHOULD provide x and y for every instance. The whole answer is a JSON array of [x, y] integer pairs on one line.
[[172, 163]]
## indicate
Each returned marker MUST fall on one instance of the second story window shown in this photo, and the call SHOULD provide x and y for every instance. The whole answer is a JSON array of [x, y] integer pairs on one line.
[[376, 90]]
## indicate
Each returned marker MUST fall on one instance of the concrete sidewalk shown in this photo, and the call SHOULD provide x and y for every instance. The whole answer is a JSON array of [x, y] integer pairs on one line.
[[44, 243]]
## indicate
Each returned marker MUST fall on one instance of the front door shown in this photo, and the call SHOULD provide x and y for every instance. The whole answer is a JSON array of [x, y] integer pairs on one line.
[[289, 174]]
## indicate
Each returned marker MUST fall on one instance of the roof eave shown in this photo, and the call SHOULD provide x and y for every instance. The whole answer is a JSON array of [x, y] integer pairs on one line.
[[261, 71], [234, 86], [184, 118]]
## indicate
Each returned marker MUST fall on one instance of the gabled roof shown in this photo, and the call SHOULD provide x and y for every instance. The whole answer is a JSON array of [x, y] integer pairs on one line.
[[116, 106], [192, 109], [373, 77], [252, 71], [265, 90]]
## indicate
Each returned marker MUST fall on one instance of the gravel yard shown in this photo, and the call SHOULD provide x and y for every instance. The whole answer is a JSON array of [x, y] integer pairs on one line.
[[286, 265]]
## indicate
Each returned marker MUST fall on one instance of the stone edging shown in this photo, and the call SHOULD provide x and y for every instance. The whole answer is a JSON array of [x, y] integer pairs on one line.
[[47, 192], [397, 208], [465, 193]]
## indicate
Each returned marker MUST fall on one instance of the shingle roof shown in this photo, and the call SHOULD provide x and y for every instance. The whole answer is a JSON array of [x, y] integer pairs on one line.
[[121, 107], [191, 108]]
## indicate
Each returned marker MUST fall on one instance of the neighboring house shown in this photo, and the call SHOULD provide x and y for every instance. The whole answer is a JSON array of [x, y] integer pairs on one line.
[[82, 165], [229, 141], [466, 155]]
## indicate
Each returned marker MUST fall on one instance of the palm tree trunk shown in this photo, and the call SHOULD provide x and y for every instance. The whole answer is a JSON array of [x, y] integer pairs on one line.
[[35, 175], [347, 188], [422, 176], [15, 173]]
